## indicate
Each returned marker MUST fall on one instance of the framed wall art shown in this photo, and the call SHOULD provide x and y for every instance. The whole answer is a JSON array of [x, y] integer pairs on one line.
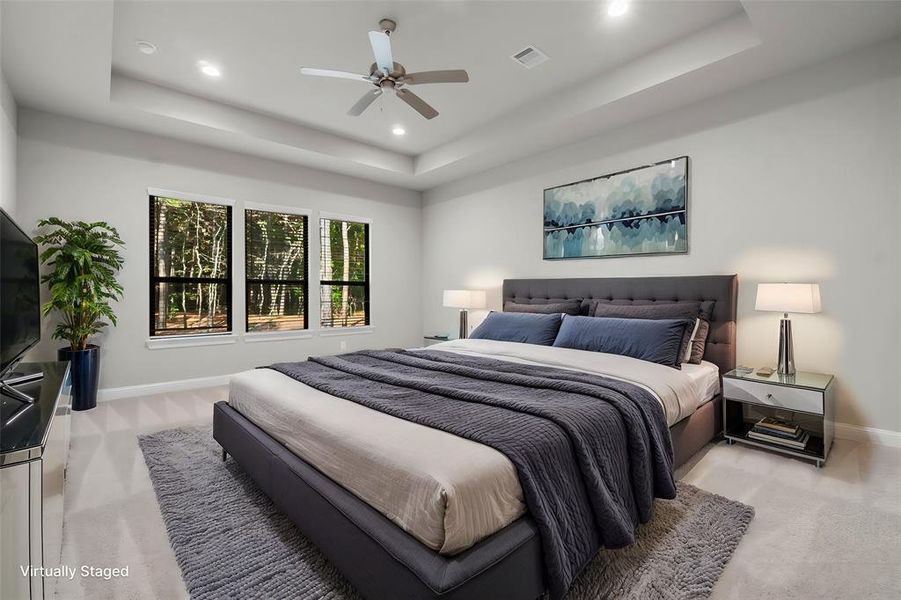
[[641, 211]]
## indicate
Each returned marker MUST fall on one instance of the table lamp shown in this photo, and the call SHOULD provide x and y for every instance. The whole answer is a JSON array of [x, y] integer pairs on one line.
[[786, 298], [464, 300]]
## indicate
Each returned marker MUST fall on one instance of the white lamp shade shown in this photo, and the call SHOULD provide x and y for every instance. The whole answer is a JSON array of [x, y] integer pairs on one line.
[[789, 297], [464, 298]]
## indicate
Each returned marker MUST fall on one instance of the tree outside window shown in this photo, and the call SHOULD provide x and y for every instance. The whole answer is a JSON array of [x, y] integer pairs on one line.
[[190, 267], [344, 273], [275, 247]]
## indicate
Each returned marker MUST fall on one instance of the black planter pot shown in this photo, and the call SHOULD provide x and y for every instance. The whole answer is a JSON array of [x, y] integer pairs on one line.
[[84, 366]]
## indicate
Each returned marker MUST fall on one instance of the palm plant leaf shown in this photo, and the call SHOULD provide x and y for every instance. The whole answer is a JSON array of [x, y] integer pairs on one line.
[[84, 259]]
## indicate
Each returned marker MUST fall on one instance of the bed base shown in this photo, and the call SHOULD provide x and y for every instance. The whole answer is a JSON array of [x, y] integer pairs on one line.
[[380, 559], [694, 432]]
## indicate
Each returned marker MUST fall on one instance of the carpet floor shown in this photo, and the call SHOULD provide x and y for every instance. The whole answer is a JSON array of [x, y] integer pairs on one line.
[[232, 542]]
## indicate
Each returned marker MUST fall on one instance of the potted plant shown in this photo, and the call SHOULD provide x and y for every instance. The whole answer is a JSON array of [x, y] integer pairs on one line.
[[83, 259]]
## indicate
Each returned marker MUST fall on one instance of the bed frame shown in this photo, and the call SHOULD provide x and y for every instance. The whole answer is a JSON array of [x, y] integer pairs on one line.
[[383, 561]]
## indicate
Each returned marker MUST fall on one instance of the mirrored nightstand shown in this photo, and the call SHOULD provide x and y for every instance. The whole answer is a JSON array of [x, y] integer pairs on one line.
[[429, 340], [807, 399]]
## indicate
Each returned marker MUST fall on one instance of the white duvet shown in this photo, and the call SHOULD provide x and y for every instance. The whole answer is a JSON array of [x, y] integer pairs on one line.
[[446, 491]]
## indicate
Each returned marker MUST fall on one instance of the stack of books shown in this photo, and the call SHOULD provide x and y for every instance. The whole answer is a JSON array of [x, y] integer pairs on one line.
[[779, 432]]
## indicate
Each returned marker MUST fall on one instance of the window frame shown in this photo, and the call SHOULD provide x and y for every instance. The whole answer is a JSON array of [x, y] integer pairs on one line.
[[290, 333], [327, 330], [152, 194]]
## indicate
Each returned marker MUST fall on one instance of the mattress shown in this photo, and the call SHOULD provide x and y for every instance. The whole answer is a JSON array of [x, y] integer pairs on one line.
[[705, 379], [446, 491]]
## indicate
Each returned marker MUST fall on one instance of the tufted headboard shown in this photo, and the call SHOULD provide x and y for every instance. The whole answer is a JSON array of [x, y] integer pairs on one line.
[[723, 289]]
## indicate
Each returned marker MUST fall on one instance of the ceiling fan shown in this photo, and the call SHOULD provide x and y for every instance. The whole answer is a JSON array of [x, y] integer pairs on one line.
[[387, 75]]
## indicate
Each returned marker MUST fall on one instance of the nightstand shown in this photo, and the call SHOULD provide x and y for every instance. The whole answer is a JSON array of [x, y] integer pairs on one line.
[[434, 339], [807, 399]]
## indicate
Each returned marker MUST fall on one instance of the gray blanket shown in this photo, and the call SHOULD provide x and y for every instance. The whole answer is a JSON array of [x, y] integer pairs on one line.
[[591, 452]]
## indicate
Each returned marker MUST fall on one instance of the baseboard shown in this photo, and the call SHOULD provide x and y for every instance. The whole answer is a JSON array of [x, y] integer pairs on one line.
[[881, 437], [163, 387]]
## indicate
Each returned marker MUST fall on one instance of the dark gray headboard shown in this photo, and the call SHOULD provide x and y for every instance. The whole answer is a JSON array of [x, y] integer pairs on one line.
[[723, 289]]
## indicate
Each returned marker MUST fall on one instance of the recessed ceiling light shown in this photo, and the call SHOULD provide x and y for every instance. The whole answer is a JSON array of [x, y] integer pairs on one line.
[[398, 130], [208, 68], [145, 47], [617, 8]]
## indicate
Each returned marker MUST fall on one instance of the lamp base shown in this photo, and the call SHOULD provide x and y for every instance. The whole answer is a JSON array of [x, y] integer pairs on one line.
[[464, 324], [786, 348]]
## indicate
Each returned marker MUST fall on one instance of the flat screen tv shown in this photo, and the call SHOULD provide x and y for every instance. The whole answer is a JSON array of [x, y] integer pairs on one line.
[[20, 297]]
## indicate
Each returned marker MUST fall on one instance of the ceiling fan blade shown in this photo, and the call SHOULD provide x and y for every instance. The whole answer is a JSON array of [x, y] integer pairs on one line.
[[418, 104], [381, 49], [338, 74], [452, 76], [363, 103]]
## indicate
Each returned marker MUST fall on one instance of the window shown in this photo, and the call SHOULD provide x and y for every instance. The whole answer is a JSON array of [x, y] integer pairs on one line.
[[275, 253], [343, 273], [190, 267]]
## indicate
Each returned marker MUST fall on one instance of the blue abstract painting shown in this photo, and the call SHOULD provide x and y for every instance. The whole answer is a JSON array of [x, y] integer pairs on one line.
[[640, 211]]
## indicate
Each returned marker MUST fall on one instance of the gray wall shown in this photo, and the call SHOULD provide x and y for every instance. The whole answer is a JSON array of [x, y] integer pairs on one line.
[[78, 170], [794, 179], [7, 148]]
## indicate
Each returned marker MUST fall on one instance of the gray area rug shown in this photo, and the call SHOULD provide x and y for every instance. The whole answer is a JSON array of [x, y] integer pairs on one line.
[[231, 542]]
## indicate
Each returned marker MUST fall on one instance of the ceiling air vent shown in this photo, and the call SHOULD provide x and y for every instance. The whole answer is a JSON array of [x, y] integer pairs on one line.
[[530, 57]]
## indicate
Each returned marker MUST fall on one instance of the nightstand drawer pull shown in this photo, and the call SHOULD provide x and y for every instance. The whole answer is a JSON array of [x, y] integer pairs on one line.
[[789, 398]]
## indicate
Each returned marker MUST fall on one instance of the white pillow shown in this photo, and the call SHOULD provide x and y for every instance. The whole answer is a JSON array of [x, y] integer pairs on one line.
[[687, 356]]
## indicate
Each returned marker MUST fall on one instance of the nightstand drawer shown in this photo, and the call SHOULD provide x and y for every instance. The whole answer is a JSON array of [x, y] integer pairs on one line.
[[776, 396]]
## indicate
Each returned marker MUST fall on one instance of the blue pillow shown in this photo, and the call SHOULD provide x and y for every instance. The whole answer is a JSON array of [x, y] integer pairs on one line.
[[526, 328], [658, 340]]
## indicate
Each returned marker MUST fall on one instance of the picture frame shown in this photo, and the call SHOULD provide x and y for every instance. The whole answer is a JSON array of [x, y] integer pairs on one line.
[[641, 211]]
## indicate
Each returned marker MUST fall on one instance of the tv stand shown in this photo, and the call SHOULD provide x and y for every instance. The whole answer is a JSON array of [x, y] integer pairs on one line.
[[34, 446]]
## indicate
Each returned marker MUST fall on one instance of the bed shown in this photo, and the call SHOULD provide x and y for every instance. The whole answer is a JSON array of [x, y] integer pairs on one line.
[[437, 530]]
